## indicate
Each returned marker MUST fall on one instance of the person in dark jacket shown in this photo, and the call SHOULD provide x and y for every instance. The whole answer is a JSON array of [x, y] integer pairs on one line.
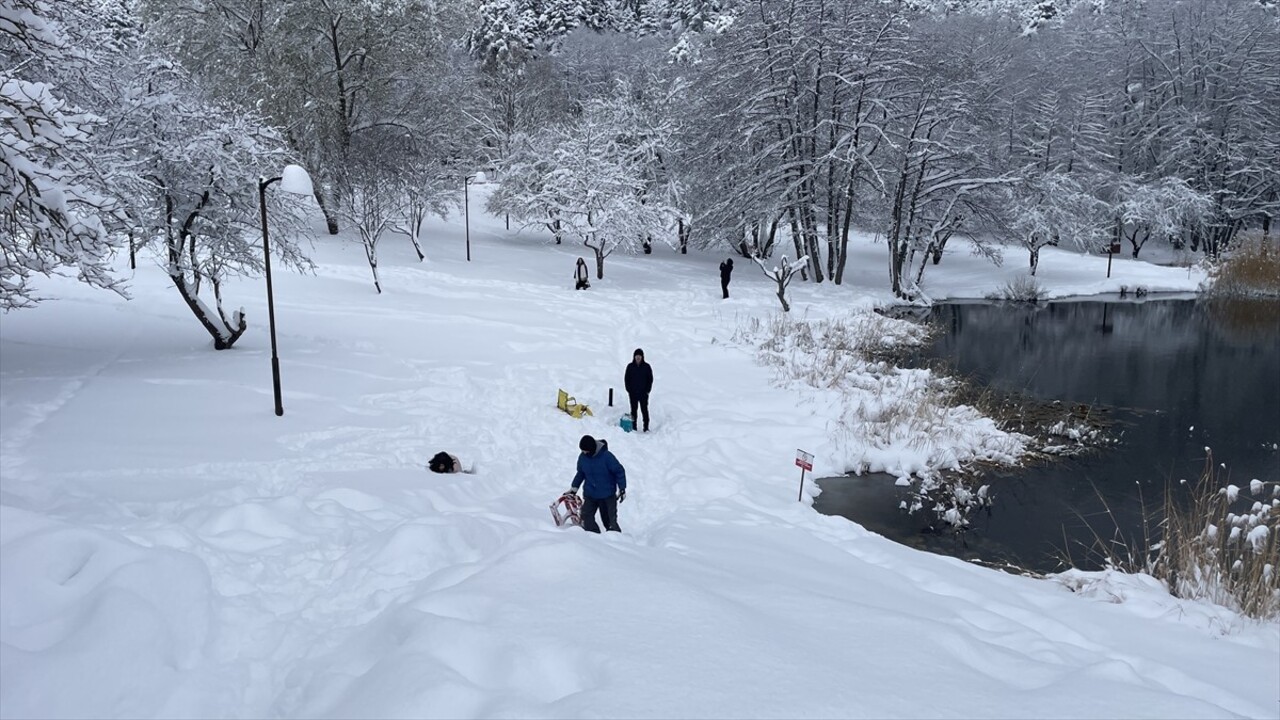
[[639, 381], [726, 269], [606, 484], [444, 462], [580, 274]]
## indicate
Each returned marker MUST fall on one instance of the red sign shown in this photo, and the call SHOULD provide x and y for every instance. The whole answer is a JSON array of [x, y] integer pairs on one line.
[[804, 460]]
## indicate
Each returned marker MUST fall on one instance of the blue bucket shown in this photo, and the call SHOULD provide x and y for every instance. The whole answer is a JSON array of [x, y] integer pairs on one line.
[[626, 424]]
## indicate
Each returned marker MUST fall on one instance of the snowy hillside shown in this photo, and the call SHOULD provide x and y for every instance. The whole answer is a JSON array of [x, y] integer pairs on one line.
[[171, 548]]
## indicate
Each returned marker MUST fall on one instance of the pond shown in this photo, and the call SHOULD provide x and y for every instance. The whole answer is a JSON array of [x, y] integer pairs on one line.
[[1177, 375]]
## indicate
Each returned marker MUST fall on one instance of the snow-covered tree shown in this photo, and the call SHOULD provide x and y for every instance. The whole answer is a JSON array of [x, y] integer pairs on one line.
[[591, 181], [327, 72], [186, 171], [781, 274], [524, 192], [1168, 208], [51, 203], [1052, 208], [373, 205]]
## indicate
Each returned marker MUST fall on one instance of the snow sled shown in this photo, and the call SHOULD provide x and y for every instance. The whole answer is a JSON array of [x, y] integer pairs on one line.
[[626, 423], [565, 510], [567, 403]]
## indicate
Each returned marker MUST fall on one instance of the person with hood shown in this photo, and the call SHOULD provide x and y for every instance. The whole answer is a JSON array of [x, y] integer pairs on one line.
[[726, 269], [606, 484], [639, 381], [580, 274]]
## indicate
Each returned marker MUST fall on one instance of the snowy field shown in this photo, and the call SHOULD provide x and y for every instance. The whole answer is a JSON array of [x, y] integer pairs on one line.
[[170, 548]]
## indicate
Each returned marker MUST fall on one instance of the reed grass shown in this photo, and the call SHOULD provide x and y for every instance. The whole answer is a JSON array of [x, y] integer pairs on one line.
[[1250, 269], [1212, 541]]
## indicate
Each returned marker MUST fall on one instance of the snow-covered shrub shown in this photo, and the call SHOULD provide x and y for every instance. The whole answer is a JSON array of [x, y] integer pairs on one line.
[[887, 419], [1023, 288]]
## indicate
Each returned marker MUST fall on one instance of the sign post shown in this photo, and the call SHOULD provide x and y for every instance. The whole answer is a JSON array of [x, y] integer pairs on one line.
[[804, 461]]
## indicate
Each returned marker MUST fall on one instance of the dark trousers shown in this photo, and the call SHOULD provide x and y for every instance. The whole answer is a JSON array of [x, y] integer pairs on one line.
[[643, 402], [724, 285], [608, 508]]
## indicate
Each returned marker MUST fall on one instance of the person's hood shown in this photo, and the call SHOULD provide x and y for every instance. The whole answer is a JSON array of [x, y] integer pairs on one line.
[[601, 445], [637, 352]]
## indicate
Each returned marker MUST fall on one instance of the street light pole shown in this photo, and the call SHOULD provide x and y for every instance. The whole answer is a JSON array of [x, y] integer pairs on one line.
[[296, 181], [466, 212], [271, 304]]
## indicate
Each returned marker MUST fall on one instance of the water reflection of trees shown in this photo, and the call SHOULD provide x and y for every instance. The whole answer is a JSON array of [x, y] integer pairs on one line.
[[1153, 356], [1242, 320]]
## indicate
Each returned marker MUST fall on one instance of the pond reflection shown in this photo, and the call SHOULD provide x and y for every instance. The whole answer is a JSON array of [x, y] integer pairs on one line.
[[1181, 375]]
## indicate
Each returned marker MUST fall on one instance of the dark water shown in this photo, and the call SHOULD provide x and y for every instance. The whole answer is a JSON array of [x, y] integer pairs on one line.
[[1180, 375]]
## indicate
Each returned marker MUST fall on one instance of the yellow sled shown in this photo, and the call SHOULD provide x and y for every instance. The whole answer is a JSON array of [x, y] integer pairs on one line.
[[568, 404]]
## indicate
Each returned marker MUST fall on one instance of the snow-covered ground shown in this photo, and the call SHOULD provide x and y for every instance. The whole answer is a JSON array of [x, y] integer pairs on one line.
[[171, 548]]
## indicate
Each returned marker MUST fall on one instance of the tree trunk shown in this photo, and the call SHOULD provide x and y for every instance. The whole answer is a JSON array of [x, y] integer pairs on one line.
[[371, 252], [796, 236], [330, 219], [224, 334], [809, 221], [599, 251], [417, 213], [845, 219], [894, 238], [1035, 260]]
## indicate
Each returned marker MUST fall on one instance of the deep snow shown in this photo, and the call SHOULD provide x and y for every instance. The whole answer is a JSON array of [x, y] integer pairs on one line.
[[171, 548]]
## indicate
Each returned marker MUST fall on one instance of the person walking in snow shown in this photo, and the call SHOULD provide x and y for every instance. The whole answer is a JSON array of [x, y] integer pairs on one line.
[[726, 269], [605, 481], [639, 381], [580, 274]]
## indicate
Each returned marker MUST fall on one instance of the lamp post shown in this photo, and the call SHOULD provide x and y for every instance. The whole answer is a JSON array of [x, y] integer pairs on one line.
[[293, 179], [466, 212]]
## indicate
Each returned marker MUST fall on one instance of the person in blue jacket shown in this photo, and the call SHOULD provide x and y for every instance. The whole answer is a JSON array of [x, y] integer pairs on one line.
[[606, 484]]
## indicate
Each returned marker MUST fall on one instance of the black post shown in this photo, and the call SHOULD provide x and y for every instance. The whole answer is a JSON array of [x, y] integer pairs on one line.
[[610, 397], [800, 497], [271, 305], [1109, 249], [466, 213]]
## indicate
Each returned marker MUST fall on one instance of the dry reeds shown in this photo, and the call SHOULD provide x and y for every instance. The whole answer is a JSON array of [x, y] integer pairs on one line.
[[1217, 542], [1250, 269]]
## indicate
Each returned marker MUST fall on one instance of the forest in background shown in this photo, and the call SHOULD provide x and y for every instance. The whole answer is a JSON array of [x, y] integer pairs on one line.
[[768, 127]]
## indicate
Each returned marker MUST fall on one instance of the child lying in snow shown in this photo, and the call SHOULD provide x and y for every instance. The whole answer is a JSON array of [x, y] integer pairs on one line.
[[444, 462]]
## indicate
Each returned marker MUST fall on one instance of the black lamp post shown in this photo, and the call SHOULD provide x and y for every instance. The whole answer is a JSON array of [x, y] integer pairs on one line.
[[466, 212], [293, 179]]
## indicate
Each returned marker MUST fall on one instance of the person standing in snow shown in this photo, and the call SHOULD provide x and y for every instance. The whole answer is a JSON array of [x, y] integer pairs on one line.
[[606, 484], [580, 274], [639, 381], [726, 269]]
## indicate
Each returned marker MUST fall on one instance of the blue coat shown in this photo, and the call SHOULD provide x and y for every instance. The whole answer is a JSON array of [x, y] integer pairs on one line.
[[602, 473]]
